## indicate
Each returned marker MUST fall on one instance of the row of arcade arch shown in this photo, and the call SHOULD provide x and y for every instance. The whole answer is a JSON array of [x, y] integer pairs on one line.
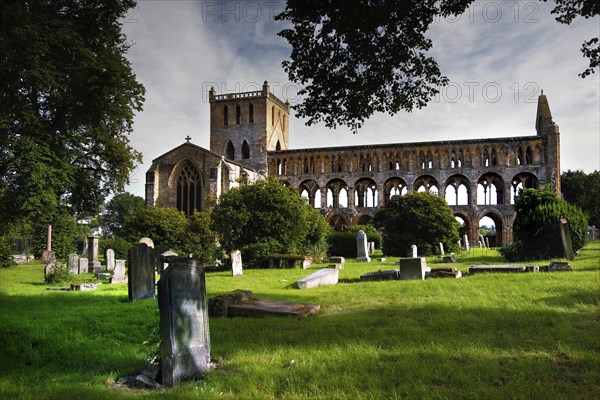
[[489, 189]]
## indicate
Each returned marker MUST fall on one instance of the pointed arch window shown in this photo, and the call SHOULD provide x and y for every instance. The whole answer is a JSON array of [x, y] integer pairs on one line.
[[528, 155], [251, 113], [189, 190], [238, 115], [225, 115], [230, 152], [245, 150], [278, 146]]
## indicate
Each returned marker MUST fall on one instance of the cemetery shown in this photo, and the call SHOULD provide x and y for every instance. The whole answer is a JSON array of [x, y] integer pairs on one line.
[[331, 328]]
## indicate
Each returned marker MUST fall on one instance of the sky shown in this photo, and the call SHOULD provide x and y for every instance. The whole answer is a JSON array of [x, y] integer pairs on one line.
[[498, 56]]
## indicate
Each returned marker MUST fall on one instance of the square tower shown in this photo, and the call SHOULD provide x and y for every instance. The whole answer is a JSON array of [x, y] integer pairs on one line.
[[244, 126]]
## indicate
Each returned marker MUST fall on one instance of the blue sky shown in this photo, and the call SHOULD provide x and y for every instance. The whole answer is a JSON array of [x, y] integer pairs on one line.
[[498, 56]]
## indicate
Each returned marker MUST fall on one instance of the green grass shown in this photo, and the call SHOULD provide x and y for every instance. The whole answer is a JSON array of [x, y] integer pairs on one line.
[[487, 336]]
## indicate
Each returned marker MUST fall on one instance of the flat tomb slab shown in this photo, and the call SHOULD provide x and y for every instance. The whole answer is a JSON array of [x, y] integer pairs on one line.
[[503, 268], [325, 276], [262, 308], [390, 275], [240, 303]]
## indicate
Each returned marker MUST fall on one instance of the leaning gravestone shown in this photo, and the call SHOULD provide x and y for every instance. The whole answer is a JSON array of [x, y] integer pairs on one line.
[[73, 261], [467, 246], [184, 331], [413, 268], [109, 255], [140, 272], [565, 235], [83, 265], [442, 249], [482, 240], [236, 263], [362, 254], [119, 272], [325, 276], [413, 250]]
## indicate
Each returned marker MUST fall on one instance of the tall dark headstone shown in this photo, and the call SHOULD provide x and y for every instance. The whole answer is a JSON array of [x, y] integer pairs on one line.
[[184, 330], [565, 235], [140, 272]]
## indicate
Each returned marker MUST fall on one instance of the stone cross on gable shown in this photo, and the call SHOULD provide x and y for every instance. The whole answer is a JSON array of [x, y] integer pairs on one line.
[[188, 138]]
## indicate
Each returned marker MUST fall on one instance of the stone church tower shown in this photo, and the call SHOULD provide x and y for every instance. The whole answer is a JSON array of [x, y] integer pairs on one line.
[[245, 126]]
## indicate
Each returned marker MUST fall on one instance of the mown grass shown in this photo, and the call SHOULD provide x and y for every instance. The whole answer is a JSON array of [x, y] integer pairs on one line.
[[487, 336]]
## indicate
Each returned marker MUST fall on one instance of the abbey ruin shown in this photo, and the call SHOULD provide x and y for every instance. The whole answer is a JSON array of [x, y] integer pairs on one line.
[[249, 140]]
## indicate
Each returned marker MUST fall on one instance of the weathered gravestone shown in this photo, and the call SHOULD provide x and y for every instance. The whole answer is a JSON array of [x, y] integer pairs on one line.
[[140, 272], [73, 261], [413, 250], [119, 272], [83, 265], [84, 251], [371, 247], [466, 240], [166, 258], [337, 262], [413, 268], [487, 242], [159, 264], [147, 241], [49, 271], [565, 235], [441, 249], [93, 261], [240, 303], [109, 255], [184, 331], [236, 263], [482, 240], [325, 276], [362, 254], [390, 275]]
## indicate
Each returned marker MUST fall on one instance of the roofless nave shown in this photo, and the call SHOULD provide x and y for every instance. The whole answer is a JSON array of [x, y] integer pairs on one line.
[[249, 137]]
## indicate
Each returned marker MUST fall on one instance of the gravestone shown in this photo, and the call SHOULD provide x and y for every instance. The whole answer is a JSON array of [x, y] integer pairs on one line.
[[466, 240], [371, 246], [240, 303], [325, 276], [166, 258], [84, 252], [413, 250], [93, 261], [487, 242], [565, 235], [362, 254], [73, 261], [140, 272], [337, 260], [482, 240], [236, 263], [83, 265], [390, 275], [147, 241], [49, 271], [48, 256], [159, 264], [184, 330], [413, 268], [119, 272], [441, 249], [109, 255]]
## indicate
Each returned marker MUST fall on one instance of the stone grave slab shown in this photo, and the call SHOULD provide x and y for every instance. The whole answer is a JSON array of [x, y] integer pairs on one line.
[[450, 272], [76, 287], [559, 266], [184, 329], [325, 276], [413, 268], [389, 275], [503, 268], [337, 260], [450, 258], [240, 303]]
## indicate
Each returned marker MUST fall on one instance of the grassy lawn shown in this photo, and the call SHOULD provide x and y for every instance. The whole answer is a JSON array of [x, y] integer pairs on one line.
[[487, 336]]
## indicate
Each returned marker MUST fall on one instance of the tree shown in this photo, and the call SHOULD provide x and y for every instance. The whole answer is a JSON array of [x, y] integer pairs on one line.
[[422, 219], [583, 190], [536, 231], [265, 218], [67, 102], [370, 56], [164, 225], [121, 207]]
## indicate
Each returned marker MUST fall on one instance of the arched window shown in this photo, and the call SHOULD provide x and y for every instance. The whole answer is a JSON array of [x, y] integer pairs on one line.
[[520, 158], [278, 146], [245, 150], [225, 115], [230, 152], [238, 115], [486, 158], [494, 157], [189, 190], [251, 113], [528, 156]]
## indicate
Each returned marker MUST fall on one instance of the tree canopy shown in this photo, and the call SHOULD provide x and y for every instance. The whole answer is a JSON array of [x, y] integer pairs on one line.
[[355, 59], [422, 219], [265, 218], [121, 207], [583, 190], [67, 101]]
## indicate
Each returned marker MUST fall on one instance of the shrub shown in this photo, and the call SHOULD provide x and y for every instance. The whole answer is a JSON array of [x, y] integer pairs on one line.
[[60, 274], [344, 243], [164, 225], [422, 219], [119, 245], [537, 225]]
